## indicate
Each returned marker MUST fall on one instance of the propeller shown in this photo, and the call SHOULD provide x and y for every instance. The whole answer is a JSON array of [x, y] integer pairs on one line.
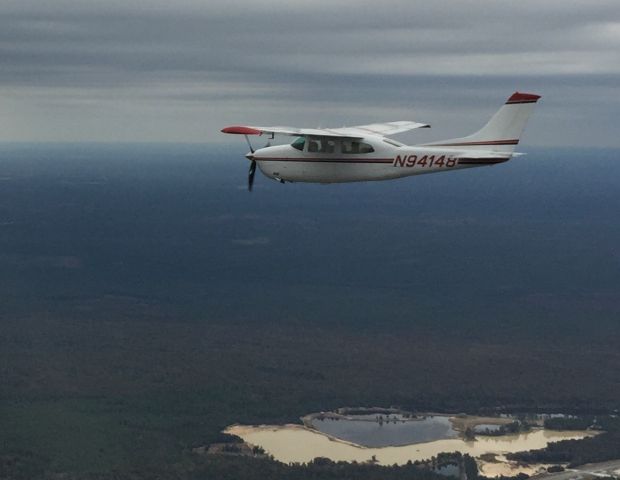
[[249, 143], [251, 173], [252, 170]]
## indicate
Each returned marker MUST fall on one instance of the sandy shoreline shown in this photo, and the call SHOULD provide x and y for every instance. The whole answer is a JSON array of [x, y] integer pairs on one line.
[[296, 443], [241, 430]]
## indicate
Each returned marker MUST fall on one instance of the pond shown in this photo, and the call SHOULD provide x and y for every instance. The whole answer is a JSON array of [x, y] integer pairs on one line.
[[383, 431]]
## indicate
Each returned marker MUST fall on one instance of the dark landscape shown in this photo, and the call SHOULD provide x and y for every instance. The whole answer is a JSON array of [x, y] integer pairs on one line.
[[148, 301]]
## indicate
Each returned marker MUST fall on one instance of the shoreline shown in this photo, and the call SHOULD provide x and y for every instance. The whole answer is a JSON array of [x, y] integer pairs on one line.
[[302, 442], [241, 430], [294, 443]]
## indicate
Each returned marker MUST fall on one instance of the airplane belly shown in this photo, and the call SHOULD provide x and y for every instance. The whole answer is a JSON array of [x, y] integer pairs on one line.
[[328, 172]]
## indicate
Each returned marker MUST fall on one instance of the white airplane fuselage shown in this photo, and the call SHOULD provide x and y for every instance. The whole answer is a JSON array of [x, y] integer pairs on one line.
[[387, 161], [366, 153]]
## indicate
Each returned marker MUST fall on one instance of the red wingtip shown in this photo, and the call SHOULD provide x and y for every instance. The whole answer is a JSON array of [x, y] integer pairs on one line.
[[519, 97], [240, 130]]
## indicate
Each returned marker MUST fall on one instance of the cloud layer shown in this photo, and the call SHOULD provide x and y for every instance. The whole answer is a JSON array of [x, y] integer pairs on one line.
[[178, 71]]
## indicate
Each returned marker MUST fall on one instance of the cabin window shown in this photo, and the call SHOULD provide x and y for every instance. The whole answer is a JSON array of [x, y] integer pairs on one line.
[[328, 146], [299, 144], [321, 145], [366, 148], [356, 147]]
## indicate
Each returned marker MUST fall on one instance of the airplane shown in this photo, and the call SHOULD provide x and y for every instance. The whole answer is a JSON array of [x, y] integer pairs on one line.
[[366, 153]]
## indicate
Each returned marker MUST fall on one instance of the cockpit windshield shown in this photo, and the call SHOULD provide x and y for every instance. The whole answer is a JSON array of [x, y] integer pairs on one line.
[[299, 143]]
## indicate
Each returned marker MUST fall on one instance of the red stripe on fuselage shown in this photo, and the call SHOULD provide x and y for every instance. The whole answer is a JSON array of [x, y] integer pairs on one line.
[[324, 160], [485, 142], [482, 161]]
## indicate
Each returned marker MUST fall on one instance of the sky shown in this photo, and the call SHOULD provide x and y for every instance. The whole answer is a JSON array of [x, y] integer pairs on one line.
[[179, 71]]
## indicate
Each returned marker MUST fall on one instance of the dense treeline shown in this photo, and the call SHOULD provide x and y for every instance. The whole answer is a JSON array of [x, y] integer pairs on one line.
[[600, 448], [223, 467], [580, 422], [144, 413]]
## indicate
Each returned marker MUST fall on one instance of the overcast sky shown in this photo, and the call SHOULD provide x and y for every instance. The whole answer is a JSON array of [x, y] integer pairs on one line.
[[162, 70]]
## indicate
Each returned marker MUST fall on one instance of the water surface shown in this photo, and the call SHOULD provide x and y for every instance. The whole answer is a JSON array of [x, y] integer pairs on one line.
[[392, 430]]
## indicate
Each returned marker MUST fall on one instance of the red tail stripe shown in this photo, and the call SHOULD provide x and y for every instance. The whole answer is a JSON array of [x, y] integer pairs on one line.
[[518, 97]]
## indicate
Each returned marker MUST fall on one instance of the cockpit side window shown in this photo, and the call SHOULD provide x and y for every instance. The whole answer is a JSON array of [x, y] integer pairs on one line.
[[314, 145], [349, 146], [321, 145], [299, 144]]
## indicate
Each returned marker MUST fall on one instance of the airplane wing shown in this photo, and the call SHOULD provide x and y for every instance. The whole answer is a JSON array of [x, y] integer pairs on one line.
[[295, 132], [381, 129], [357, 132]]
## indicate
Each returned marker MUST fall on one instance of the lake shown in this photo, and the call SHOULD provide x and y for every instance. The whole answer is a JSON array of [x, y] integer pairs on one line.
[[390, 431]]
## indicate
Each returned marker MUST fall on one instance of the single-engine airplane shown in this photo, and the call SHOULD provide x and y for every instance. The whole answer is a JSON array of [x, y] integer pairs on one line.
[[364, 152]]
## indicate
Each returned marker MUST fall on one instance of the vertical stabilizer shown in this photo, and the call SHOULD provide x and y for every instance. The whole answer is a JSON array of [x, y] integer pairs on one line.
[[502, 132]]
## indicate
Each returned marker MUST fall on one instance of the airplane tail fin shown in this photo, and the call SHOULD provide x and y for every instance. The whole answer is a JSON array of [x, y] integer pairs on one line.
[[502, 132]]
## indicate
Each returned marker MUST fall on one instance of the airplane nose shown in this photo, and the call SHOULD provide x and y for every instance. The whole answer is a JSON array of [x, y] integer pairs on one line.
[[250, 156]]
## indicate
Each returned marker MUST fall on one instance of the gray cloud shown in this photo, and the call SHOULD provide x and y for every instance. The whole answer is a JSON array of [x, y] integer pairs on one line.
[[153, 70]]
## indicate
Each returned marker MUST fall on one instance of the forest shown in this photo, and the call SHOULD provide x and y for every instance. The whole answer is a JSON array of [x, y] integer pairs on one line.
[[602, 447], [147, 305]]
